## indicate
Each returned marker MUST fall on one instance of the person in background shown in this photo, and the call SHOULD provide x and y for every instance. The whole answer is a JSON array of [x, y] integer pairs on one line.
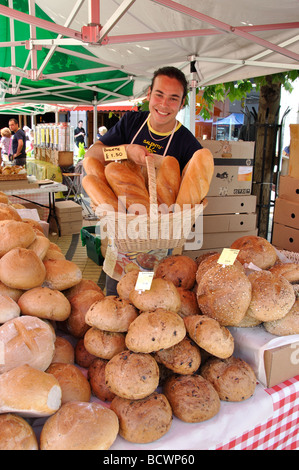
[[18, 143], [27, 131], [155, 131], [79, 135], [5, 145], [101, 131]]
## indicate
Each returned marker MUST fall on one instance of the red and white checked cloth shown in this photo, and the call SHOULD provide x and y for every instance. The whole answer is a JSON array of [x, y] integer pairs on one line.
[[281, 431]]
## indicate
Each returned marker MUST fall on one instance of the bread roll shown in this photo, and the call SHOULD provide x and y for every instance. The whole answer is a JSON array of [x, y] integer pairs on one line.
[[21, 268], [224, 293], [53, 254], [7, 212], [93, 166], [192, 398], [145, 420], [154, 330], [288, 325], [14, 294], [16, 433], [82, 357], [168, 181], [128, 186], [131, 375], [272, 296], [256, 250], [64, 351], [232, 378], [189, 305], [104, 344], [40, 246], [127, 283], [179, 269], [288, 270], [111, 314], [209, 335], [96, 377], [9, 309], [84, 284], [26, 340], [80, 303], [15, 234], [61, 274], [182, 358], [44, 302], [3, 198], [196, 178], [34, 224], [162, 294], [101, 194], [74, 385], [29, 392], [80, 426]]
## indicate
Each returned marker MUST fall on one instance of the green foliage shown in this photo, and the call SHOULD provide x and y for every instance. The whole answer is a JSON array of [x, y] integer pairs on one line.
[[81, 151]]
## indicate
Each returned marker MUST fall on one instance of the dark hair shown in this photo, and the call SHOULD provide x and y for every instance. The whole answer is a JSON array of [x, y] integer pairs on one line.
[[80, 121], [172, 72], [14, 120]]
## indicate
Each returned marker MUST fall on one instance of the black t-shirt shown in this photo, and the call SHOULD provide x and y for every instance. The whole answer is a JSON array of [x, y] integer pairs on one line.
[[19, 135], [182, 146], [80, 138]]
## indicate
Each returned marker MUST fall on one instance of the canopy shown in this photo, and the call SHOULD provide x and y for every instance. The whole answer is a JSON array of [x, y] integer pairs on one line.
[[234, 119]]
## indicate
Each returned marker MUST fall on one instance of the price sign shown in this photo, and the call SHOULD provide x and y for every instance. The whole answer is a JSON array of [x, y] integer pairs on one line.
[[144, 281], [228, 256], [115, 153]]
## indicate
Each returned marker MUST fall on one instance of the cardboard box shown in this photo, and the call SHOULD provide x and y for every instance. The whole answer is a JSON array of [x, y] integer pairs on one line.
[[289, 188], [233, 162], [294, 151], [68, 211], [286, 212], [17, 184], [230, 205], [229, 223], [69, 228], [223, 240], [281, 363], [61, 158], [285, 238]]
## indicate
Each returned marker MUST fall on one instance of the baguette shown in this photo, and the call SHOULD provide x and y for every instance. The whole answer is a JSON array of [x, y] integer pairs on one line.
[[168, 181], [196, 180], [93, 166], [100, 193]]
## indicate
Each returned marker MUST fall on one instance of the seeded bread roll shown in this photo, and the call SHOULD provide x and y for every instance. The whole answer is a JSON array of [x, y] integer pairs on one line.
[[104, 344], [45, 303], [232, 378], [132, 375], [111, 314], [209, 335], [96, 377], [179, 269], [21, 268], [272, 296], [192, 398], [182, 358], [154, 330], [74, 385], [80, 426], [16, 433], [256, 250], [145, 420], [288, 325], [162, 294], [288, 270]]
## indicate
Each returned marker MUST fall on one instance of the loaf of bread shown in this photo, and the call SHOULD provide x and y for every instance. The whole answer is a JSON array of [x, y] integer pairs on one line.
[[289, 270], [128, 186], [179, 269], [288, 325], [26, 340], [73, 383], [196, 178], [256, 250], [15, 234], [21, 268], [154, 330], [192, 398], [189, 305], [61, 274], [84, 284], [162, 294], [44, 302], [96, 377], [9, 309], [127, 283], [168, 181], [7, 212], [14, 294], [3, 198], [232, 378], [93, 166], [145, 420], [40, 246], [82, 357], [209, 335], [80, 303], [101, 194], [104, 344], [111, 314], [64, 351], [132, 375], [29, 392], [80, 426], [16, 433], [182, 358]]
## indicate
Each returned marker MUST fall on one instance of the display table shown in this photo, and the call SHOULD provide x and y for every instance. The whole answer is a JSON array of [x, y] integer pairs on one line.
[[36, 195]]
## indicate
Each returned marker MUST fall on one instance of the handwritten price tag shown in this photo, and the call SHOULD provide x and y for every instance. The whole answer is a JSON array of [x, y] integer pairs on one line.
[[115, 153], [144, 281], [228, 256]]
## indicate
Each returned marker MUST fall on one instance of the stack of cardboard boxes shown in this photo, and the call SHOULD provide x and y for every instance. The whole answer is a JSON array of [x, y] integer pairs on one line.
[[69, 216], [231, 209], [285, 234]]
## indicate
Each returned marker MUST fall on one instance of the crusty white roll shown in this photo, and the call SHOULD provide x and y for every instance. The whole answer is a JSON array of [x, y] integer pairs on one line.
[[73, 383], [7, 212], [15, 234], [21, 268], [3, 198], [16, 433], [80, 426], [29, 392], [61, 274], [40, 246], [111, 314], [26, 340], [14, 294], [9, 309], [46, 303]]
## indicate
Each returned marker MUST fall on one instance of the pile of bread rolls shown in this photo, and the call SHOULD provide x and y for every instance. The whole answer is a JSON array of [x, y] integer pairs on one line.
[[93, 367], [124, 185]]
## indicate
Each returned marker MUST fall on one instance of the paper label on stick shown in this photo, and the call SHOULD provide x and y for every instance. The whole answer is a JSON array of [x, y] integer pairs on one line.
[[115, 153], [144, 281], [228, 256]]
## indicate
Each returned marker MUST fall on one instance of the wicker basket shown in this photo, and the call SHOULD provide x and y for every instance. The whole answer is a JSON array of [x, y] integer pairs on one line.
[[154, 231]]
